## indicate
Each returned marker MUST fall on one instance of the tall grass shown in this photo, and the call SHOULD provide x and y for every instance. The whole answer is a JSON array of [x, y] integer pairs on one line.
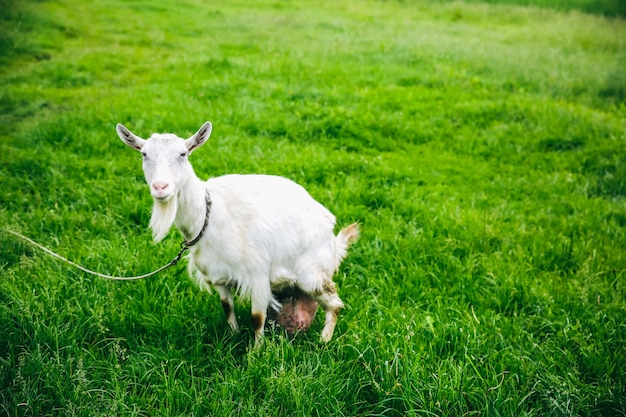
[[482, 148]]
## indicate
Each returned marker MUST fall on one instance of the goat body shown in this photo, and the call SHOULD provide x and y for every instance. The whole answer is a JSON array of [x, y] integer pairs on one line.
[[265, 233]]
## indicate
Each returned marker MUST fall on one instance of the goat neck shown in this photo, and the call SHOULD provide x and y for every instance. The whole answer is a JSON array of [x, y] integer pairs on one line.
[[191, 207]]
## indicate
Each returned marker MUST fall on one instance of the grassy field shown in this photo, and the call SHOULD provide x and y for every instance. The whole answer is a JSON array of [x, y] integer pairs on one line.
[[602, 7], [481, 146]]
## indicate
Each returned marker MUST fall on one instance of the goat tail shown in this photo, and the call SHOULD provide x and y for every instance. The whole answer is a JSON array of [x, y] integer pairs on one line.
[[343, 240]]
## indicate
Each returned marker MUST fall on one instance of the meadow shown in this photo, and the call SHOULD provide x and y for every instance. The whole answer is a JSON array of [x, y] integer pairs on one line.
[[480, 145]]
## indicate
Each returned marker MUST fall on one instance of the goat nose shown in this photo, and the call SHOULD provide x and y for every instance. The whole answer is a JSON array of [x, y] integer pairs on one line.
[[160, 186]]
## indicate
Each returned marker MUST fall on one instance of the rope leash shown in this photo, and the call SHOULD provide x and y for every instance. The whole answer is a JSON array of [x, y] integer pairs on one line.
[[183, 248], [98, 274]]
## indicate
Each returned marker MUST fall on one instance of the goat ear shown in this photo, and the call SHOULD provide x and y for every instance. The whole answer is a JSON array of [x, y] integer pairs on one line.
[[200, 137], [129, 137]]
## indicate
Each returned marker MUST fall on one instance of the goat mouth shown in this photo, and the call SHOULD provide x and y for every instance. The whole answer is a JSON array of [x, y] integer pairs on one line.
[[162, 197]]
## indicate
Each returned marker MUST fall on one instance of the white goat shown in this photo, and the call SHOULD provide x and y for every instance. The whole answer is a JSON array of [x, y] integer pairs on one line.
[[265, 233]]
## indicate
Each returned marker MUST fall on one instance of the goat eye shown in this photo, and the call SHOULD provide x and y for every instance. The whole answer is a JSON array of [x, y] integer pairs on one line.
[[183, 155], [144, 155]]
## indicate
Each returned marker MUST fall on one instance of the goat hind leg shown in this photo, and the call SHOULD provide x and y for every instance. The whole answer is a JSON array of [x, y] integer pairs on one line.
[[332, 304]]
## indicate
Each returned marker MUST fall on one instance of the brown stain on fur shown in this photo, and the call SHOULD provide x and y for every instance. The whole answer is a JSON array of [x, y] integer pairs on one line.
[[329, 286], [257, 321]]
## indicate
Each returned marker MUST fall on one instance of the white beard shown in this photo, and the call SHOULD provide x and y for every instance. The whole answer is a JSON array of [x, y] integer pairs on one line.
[[163, 216]]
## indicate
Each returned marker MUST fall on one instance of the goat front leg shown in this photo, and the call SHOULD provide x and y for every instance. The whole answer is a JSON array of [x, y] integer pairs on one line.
[[228, 304], [261, 299]]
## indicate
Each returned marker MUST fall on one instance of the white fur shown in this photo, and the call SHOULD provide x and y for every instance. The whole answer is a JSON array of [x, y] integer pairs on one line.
[[265, 232]]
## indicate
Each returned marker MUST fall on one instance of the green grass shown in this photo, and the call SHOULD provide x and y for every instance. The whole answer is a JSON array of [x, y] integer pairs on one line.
[[481, 146], [602, 7]]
